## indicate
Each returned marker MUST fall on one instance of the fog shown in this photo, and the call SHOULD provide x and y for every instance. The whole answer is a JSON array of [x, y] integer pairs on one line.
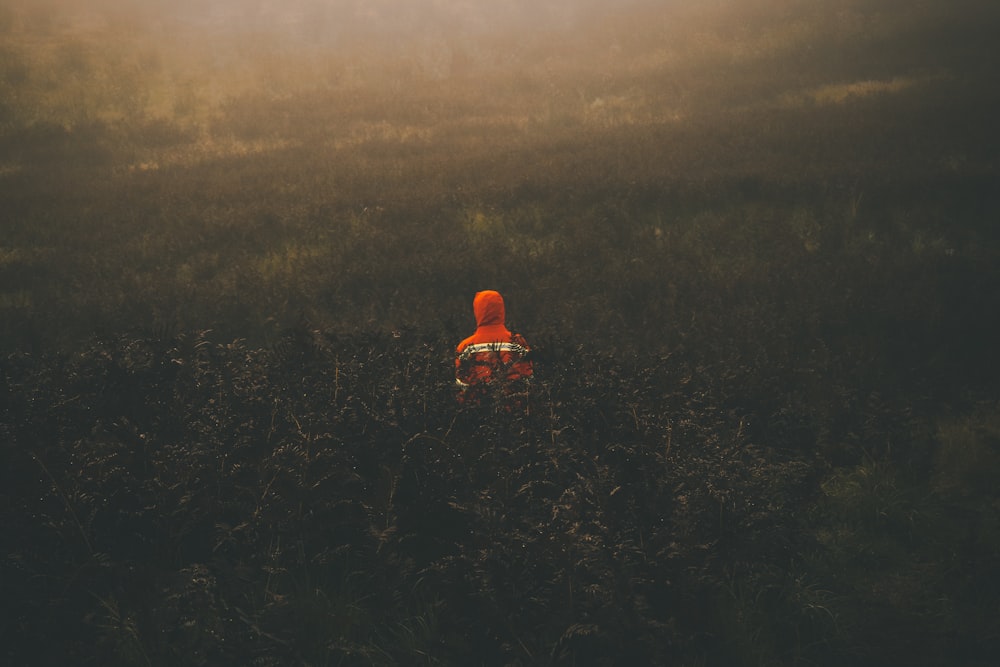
[[329, 22], [579, 63], [182, 36]]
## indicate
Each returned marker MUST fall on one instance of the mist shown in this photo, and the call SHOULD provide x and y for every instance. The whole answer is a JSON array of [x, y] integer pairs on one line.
[[328, 22]]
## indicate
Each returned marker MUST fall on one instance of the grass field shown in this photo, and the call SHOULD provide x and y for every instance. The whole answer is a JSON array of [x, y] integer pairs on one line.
[[753, 243]]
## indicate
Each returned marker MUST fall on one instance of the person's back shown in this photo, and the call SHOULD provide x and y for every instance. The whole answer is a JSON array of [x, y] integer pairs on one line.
[[492, 353]]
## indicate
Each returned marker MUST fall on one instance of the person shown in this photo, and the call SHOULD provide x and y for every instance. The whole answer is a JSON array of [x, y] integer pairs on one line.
[[491, 354]]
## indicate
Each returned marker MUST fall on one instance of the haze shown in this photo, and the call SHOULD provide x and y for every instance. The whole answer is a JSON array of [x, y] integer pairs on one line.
[[327, 22], [463, 75]]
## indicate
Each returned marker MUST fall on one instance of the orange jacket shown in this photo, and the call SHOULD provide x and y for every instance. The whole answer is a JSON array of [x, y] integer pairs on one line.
[[492, 347]]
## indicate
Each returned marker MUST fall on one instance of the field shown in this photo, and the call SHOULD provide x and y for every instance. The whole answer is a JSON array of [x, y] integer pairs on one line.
[[754, 246]]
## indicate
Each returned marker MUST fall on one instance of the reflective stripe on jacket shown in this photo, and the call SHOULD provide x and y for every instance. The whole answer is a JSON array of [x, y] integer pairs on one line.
[[479, 362]]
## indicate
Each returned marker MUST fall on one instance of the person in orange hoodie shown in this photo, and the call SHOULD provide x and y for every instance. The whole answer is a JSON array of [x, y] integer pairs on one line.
[[492, 353]]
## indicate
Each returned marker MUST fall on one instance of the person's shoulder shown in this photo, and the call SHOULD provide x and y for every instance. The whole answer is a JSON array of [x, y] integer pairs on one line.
[[464, 344]]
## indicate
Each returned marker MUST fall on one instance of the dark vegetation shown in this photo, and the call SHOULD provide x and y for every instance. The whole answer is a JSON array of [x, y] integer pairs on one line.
[[754, 245]]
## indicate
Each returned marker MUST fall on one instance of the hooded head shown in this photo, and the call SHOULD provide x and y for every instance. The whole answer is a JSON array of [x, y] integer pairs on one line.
[[488, 308]]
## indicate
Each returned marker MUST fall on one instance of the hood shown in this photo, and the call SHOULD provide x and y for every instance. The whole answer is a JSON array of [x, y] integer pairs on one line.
[[488, 308]]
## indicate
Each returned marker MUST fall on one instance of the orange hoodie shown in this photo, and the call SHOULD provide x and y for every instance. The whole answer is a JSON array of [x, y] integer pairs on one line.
[[492, 346]]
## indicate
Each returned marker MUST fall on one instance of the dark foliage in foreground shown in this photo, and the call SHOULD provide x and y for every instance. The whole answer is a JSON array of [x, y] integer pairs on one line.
[[326, 501]]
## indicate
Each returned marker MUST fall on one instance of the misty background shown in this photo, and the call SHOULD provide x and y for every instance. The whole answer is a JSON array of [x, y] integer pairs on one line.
[[291, 121], [569, 68]]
